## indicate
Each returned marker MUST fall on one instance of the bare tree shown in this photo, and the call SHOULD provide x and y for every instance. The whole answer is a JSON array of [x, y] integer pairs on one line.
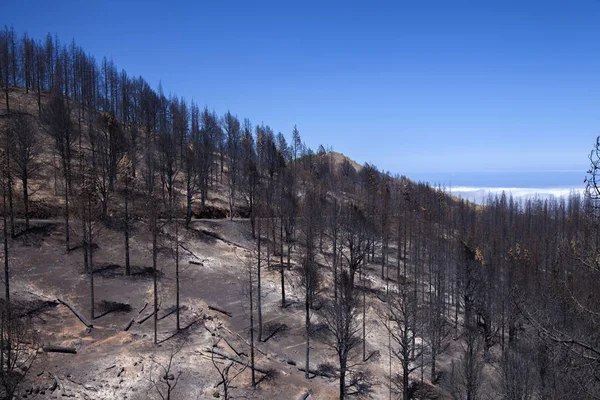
[[152, 203], [18, 352], [405, 323], [227, 377], [248, 263], [341, 317], [466, 376], [310, 275], [166, 380], [125, 170], [4, 181], [8, 176], [57, 117], [517, 372], [87, 198], [251, 181], [233, 145], [25, 151]]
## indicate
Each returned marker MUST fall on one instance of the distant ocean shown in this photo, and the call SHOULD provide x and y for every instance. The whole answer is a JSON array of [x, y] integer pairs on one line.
[[476, 186]]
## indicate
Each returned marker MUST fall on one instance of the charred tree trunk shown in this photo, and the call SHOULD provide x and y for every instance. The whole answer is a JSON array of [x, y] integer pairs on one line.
[[26, 198], [281, 263], [258, 288], [5, 233], [155, 272], [342, 377], [251, 326], [127, 262], [91, 260], [177, 273]]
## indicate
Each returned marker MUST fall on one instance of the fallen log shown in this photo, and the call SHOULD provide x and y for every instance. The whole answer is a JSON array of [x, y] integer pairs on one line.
[[235, 359], [318, 373], [77, 313], [143, 308], [141, 321], [194, 322], [239, 354], [196, 263], [50, 348], [244, 340], [214, 308], [169, 311], [129, 324], [305, 395], [181, 330], [55, 384]]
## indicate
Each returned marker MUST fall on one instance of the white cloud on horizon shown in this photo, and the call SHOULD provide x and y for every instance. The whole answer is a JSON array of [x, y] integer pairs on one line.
[[480, 194]]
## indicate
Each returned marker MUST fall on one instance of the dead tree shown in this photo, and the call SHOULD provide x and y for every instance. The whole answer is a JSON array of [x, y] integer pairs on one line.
[[225, 372], [232, 128], [258, 280], [250, 268], [57, 117], [309, 267], [404, 325], [18, 350], [154, 231], [87, 198], [4, 182], [466, 377], [125, 170], [166, 381], [341, 318], [25, 149]]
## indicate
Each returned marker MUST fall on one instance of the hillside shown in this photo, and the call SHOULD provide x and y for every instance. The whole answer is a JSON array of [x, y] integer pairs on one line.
[[214, 255], [157, 250]]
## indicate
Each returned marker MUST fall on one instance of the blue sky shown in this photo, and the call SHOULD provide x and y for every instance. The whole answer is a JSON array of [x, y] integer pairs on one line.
[[416, 87]]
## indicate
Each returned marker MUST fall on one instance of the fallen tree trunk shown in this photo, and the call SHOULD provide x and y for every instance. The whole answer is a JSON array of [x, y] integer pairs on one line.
[[235, 359], [77, 313], [305, 395], [50, 348], [182, 329], [214, 308], [317, 373], [239, 354], [169, 311], [141, 321], [143, 308], [196, 263], [129, 324], [194, 322], [244, 340]]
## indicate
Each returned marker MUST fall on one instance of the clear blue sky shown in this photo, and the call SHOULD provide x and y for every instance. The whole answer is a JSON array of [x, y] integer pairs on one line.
[[413, 86]]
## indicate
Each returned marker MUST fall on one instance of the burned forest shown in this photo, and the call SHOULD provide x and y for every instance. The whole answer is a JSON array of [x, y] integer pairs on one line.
[[154, 249]]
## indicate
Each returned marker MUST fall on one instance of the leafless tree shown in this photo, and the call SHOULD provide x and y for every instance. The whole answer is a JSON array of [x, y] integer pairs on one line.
[[125, 171], [232, 129], [466, 376], [25, 151], [19, 349], [166, 380], [57, 117], [225, 372], [405, 323], [310, 276], [341, 316]]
